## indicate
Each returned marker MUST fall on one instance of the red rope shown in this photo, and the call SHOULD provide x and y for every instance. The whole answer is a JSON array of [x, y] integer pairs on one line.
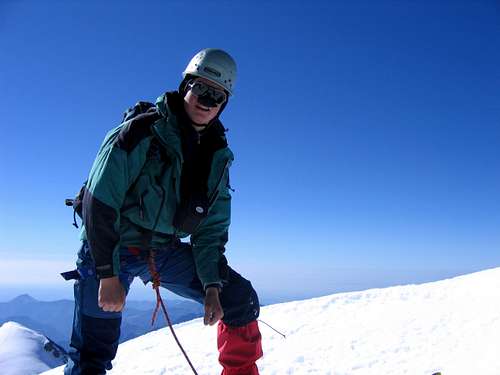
[[159, 302]]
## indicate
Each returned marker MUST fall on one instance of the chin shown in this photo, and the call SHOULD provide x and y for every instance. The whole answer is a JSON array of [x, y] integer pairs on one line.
[[200, 122], [203, 120]]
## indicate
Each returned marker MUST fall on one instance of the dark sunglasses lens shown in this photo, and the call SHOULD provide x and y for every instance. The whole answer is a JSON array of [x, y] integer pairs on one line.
[[219, 96], [200, 88]]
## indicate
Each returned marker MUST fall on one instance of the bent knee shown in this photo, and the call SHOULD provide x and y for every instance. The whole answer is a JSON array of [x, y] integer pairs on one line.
[[240, 302]]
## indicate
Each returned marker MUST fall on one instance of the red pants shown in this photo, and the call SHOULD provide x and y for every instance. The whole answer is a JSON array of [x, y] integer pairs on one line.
[[239, 348]]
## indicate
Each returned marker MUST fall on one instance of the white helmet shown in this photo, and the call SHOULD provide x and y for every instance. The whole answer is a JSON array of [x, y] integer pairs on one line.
[[215, 65]]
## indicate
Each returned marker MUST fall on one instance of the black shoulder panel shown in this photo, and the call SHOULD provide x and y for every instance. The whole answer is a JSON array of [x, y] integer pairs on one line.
[[99, 220], [136, 130], [137, 109]]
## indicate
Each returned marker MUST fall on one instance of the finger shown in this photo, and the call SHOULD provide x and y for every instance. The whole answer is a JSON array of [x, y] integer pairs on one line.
[[209, 317], [220, 315], [108, 307], [208, 310], [213, 318]]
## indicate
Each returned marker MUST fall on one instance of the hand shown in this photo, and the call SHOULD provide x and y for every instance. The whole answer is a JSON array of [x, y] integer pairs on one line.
[[111, 294], [213, 309]]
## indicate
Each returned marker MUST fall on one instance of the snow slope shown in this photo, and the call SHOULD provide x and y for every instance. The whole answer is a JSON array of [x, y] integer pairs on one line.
[[451, 326], [26, 352]]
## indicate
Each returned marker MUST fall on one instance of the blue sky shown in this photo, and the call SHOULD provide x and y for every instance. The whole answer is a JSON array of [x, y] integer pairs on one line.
[[366, 134]]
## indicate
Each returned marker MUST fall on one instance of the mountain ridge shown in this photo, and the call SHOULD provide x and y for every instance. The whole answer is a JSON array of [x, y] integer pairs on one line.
[[25, 351], [54, 318]]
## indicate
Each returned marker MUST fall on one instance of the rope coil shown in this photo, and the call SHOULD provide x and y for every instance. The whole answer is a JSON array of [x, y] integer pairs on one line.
[[159, 303]]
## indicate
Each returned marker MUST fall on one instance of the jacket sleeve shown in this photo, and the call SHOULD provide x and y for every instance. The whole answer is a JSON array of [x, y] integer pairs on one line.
[[117, 165], [211, 236]]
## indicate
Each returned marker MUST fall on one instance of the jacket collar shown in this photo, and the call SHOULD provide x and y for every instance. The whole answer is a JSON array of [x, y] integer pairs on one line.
[[170, 107]]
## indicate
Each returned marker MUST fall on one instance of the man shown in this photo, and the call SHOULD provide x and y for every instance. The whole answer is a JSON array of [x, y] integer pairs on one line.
[[161, 175]]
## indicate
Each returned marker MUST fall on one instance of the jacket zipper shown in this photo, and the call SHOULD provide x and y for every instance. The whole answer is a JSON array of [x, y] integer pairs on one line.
[[160, 209], [214, 194], [141, 204]]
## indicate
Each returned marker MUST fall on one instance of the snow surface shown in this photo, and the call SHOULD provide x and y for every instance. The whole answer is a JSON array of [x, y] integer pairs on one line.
[[22, 351], [451, 326]]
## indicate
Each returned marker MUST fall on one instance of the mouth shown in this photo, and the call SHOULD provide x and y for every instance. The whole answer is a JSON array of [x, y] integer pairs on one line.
[[204, 109]]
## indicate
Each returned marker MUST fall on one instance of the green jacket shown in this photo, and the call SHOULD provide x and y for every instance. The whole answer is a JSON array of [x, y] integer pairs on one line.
[[128, 190]]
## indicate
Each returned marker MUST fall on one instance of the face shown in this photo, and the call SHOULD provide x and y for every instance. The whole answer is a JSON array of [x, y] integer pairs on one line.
[[198, 113]]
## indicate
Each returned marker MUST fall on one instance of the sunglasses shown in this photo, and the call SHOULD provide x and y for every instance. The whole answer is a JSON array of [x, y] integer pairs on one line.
[[207, 95]]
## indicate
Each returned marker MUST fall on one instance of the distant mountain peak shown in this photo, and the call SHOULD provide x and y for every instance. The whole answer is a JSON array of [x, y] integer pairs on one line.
[[24, 298]]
